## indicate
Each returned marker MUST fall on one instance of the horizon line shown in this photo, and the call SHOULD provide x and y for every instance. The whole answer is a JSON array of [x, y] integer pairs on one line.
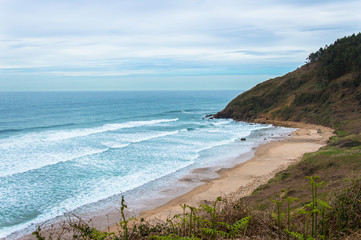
[[125, 90]]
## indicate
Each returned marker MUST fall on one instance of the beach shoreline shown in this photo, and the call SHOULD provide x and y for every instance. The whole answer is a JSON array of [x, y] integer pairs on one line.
[[234, 182], [242, 179]]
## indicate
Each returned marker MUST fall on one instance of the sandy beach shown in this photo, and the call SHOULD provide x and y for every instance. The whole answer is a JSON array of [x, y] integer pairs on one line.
[[244, 178]]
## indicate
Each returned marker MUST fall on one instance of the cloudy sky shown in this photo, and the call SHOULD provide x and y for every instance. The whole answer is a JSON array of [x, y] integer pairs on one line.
[[162, 44]]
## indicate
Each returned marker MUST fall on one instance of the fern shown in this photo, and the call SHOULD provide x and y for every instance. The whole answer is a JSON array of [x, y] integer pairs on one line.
[[241, 225], [234, 229], [295, 234], [173, 237]]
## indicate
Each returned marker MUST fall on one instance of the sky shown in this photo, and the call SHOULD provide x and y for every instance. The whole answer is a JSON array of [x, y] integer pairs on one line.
[[88, 45]]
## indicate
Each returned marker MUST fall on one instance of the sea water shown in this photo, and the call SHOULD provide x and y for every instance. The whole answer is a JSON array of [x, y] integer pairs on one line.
[[80, 151]]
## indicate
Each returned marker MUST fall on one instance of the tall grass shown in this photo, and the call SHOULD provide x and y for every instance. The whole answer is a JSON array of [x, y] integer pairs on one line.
[[230, 218]]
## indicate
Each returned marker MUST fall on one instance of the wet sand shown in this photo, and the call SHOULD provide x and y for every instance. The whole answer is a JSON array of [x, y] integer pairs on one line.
[[244, 178]]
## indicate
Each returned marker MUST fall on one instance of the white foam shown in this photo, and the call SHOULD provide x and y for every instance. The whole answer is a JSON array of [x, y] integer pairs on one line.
[[216, 144], [223, 122], [155, 136], [102, 189], [51, 136], [135, 138], [29, 158], [186, 147], [105, 128], [28, 161], [115, 145]]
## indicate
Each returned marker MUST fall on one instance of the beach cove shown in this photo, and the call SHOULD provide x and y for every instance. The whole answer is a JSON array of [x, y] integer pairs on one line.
[[234, 182], [242, 179]]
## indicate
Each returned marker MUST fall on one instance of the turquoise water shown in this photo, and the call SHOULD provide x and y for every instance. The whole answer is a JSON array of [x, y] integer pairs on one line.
[[78, 151]]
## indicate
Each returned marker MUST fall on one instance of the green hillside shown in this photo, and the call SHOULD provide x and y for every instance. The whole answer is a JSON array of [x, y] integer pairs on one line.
[[326, 90]]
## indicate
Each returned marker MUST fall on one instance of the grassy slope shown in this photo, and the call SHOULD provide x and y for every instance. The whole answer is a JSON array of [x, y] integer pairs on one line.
[[336, 164], [299, 96], [305, 95]]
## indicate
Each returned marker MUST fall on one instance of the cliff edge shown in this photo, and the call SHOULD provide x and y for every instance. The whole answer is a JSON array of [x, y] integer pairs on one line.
[[326, 91]]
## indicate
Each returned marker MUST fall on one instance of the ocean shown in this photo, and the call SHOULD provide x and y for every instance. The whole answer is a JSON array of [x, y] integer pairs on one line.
[[64, 152]]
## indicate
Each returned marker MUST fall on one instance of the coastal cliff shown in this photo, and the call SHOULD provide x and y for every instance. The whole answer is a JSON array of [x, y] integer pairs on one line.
[[325, 91]]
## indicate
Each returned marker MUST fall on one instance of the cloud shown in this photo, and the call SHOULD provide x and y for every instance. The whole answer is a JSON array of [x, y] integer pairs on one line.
[[150, 38]]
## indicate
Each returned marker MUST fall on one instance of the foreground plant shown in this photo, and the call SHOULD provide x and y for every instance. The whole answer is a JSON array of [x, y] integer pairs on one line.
[[229, 219]]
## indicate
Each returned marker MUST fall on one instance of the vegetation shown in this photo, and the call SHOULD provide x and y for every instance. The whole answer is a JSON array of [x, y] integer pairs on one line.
[[338, 59], [325, 91], [329, 217], [296, 203]]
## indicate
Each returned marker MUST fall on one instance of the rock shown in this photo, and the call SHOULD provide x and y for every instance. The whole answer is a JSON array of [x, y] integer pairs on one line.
[[265, 139], [243, 139]]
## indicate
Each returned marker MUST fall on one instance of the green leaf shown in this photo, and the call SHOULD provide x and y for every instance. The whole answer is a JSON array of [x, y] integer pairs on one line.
[[295, 234], [323, 203], [208, 231]]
